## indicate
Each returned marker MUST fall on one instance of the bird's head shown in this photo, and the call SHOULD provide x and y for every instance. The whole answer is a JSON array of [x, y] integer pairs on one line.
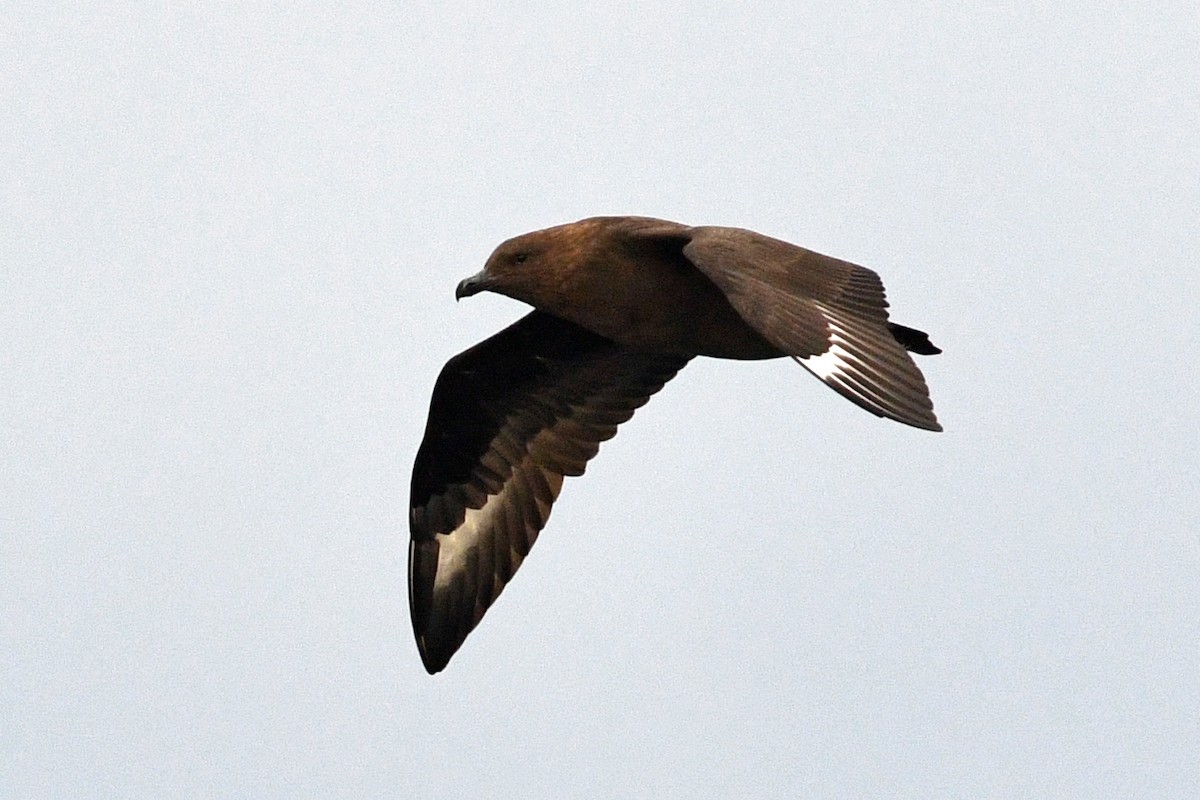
[[506, 270], [532, 267]]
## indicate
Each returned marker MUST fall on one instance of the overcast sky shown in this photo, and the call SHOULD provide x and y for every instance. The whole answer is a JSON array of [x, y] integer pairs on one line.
[[228, 249]]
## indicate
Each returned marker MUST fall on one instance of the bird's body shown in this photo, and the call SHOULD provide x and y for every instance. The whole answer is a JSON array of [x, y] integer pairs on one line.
[[621, 304], [645, 294]]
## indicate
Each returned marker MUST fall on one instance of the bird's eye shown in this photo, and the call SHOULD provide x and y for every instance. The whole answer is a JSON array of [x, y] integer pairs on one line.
[[521, 258]]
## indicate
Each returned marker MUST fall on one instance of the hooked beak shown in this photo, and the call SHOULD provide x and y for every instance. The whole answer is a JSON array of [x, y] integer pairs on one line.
[[479, 282]]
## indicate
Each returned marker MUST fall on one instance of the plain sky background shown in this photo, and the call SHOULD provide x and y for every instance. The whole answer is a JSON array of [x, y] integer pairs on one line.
[[229, 243]]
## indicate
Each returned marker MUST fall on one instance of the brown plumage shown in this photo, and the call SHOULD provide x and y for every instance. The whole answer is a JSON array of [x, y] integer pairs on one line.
[[621, 305]]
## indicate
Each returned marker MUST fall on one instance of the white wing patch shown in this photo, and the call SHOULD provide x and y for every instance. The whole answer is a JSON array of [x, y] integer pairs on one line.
[[837, 361], [865, 364], [477, 531]]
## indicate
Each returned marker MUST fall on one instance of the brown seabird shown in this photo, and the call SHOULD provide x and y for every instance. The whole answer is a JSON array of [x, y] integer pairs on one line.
[[620, 305]]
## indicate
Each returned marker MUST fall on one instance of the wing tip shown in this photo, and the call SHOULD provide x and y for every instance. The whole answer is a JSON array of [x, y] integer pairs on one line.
[[931, 424], [433, 659], [924, 420]]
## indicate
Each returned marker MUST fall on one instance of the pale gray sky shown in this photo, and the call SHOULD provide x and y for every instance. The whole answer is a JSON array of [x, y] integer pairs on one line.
[[228, 248]]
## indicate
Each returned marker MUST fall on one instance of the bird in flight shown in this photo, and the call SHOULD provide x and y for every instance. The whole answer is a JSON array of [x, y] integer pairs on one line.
[[620, 304]]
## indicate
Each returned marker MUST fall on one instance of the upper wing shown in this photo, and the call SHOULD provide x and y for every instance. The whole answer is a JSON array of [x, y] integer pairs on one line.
[[509, 418], [829, 315]]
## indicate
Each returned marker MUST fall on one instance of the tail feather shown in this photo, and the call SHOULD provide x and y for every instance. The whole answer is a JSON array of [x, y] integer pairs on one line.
[[913, 340]]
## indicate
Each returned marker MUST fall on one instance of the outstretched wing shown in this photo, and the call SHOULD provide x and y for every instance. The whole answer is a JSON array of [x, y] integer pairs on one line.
[[829, 315], [509, 418]]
